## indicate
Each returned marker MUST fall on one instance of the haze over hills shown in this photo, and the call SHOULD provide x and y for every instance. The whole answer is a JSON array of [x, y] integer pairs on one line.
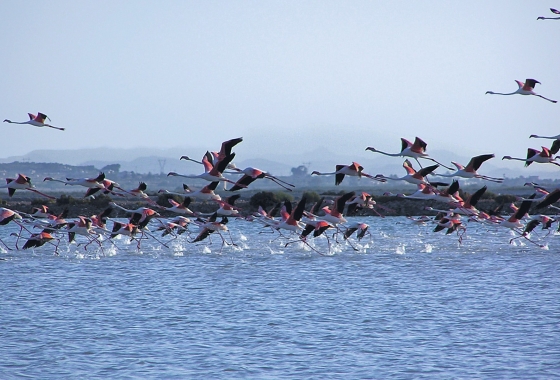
[[144, 160]]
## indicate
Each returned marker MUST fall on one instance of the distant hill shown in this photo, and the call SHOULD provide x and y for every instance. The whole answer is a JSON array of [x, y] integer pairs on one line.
[[155, 161]]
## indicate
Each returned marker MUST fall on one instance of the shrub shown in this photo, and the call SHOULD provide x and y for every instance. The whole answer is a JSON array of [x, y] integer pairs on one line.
[[311, 196], [265, 199]]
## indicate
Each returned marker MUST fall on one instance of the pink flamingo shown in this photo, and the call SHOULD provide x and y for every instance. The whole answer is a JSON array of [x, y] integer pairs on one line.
[[470, 171], [408, 149], [413, 176], [37, 121], [22, 182], [543, 156], [354, 170], [524, 89]]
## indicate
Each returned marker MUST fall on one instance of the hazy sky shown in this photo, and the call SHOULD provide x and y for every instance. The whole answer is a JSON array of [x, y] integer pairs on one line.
[[286, 75]]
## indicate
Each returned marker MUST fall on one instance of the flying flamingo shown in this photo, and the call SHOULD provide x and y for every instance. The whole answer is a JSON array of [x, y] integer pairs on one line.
[[207, 192], [211, 173], [96, 182], [292, 221], [470, 171], [84, 227], [38, 240], [549, 199], [423, 191], [210, 226], [215, 157], [543, 156], [413, 176], [557, 137], [22, 182], [251, 174], [524, 89], [354, 170], [555, 148], [108, 188], [408, 149], [556, 12], [181, 208], [334, 215], [37, 121], [6, 216]]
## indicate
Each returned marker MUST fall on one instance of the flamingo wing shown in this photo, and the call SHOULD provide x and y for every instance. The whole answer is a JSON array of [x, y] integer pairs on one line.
[[419, 145], [405, 144], [475, 162], [530, 84], [225, 150], [427, 170]]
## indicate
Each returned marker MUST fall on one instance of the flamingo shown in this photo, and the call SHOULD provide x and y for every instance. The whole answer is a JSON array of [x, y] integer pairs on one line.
[[210, 226], [360, 227], [555, 147], [181, 208], [360, 201], [83, 226], [207, 192], [96, 182], [125, 229], [292, 221], [22, 182], [38, 240], [413, 176], [7, 216], [108, 187], [543, 156], [514, 221], [140, 216], [37, 121], [452, 221], [215, 157], [556, 12], [524, 89], [211, 173], [227, 207], [466, 207], [408, 149], [334, 215], [423, 191], [549, 199], [449, 195], [557, 137], [470, 171], [251, 174], [355, 170]]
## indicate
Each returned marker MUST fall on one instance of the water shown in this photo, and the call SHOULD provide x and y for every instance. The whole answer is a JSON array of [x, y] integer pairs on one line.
[[408, 304]]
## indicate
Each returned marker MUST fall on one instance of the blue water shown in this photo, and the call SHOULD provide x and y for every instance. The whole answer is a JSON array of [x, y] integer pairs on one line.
[[408, 304]]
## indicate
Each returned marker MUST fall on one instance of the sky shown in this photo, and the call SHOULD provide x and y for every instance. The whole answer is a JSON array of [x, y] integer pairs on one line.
[[288, 76]]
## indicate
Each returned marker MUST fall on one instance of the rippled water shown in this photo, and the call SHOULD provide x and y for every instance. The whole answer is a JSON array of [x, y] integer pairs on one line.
[[409, 304]]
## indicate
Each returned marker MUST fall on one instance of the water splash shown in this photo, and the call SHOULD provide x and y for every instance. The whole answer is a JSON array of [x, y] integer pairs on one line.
[[428, 248], [401, 249]]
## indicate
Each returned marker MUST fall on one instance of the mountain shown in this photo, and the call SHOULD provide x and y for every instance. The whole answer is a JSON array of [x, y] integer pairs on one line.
[[149, 160]]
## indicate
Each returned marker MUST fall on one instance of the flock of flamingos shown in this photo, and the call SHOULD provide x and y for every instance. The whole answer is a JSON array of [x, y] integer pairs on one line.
[[300, 223]]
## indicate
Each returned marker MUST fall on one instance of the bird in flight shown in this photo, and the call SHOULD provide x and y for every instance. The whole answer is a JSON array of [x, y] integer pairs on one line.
[[35, 120], [524, 89]]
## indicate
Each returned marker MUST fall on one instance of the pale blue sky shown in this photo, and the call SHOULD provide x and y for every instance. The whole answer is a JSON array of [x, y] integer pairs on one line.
[[285, 75]]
